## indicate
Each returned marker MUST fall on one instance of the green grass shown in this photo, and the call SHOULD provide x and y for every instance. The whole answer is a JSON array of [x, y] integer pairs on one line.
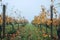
[[29, 31]]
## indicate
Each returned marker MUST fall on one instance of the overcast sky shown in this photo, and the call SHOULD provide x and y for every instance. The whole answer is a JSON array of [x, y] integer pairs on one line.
[[26, 8]]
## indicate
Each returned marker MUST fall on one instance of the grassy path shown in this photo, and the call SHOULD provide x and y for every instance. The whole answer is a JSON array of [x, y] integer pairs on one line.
[[30, 32]]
